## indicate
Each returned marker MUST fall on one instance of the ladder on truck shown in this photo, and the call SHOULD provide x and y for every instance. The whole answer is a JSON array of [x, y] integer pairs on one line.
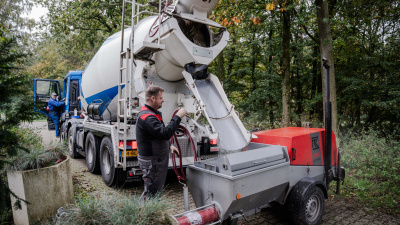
[[126, 72]]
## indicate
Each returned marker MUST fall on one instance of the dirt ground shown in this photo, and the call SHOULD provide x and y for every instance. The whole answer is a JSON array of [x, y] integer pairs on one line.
[[338, 210]]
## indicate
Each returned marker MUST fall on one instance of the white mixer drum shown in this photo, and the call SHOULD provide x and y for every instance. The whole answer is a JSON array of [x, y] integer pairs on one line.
[[100, 78]]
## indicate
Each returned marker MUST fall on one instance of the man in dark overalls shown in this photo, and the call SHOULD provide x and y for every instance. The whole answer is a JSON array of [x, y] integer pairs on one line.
[[54, 111], [152, 138]]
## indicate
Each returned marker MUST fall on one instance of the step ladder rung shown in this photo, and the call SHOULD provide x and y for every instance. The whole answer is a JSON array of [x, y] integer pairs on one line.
[[122, 84], [121, 100], [123, 68], [121, 132]]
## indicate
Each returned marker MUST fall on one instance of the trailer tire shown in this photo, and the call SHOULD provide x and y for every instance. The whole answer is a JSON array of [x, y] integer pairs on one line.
[[92, 153], [111, 175], [311, 207], [72, 150]]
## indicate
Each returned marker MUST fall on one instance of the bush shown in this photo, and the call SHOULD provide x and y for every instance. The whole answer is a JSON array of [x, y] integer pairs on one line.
[[114, 209], [36, 158], [35, 155], [373, 168], [32, 155]]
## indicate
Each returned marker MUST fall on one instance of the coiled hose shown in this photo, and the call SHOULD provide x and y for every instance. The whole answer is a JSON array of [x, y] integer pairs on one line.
[[174, 139]]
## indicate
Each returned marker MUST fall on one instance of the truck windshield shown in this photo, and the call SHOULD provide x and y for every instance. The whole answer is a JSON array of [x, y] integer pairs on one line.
[[45, 88]]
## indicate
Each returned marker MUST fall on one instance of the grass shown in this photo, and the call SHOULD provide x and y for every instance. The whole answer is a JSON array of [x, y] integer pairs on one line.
[[372, 170], [114, 209], [36, 157]]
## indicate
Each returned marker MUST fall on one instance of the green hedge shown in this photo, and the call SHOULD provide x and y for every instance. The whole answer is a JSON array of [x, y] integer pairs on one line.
[[373, 168]]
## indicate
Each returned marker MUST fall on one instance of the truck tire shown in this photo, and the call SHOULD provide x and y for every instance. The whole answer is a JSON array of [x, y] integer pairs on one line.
[[311, 207], [72, 150], [92, 153], [111, 176]]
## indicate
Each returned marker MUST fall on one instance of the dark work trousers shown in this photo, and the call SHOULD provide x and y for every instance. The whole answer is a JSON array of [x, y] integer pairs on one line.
[[155, 170], [56, 120]]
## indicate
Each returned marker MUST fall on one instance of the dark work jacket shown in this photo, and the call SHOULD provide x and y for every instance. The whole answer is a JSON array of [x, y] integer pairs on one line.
[[55, 107], [152, 135]]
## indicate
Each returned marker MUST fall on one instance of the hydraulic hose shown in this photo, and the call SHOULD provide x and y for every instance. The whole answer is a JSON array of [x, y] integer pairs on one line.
[[174, 139], [155, 21]]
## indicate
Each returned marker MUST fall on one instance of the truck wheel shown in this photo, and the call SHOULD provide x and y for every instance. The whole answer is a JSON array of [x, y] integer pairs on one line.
[[91, 152], [64, 138], [312, 207], [110, 174], [71, 146]]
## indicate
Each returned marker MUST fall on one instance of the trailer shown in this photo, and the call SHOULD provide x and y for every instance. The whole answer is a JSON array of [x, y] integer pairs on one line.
[[230, 171]]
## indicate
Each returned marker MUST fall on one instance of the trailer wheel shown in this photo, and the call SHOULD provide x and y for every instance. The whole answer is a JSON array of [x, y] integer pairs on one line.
[[110, 174], [72, 150], [92, 153], [312, 207]]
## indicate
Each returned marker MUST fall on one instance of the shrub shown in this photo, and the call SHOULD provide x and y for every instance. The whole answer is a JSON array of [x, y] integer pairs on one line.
[[37, 158], [114, 209], [373, 168], [35, 155], [32, 155]]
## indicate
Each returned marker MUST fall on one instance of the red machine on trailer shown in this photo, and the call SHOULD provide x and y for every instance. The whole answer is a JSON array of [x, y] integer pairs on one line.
[[305, 145]]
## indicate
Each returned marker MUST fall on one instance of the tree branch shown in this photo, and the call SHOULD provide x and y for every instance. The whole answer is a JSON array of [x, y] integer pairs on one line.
[[308, 33]]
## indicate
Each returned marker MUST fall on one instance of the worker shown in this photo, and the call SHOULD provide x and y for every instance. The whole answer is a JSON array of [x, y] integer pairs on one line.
[[153, 143], [54, 111]]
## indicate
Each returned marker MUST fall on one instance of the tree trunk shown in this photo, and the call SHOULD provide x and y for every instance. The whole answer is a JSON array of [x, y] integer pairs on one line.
[[286, 68], [326, 49]]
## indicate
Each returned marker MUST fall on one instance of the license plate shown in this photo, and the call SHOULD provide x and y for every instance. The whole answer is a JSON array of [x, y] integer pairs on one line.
[[129, 153]]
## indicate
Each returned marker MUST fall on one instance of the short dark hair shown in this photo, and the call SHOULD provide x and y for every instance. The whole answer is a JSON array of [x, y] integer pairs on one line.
[[153, 91]]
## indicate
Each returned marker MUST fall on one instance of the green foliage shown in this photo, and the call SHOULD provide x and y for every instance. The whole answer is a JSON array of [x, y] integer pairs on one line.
[[373, 168], [367, 65], [15, 104], [5, 216], [36, 157], [365, 41], [115, 209], [11, 12]]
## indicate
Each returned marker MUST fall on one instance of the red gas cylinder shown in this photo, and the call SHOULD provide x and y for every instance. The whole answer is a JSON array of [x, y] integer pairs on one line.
[[205, 216]]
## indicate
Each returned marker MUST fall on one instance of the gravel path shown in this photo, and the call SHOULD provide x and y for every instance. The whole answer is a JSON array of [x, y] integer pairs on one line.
[[337, 210]]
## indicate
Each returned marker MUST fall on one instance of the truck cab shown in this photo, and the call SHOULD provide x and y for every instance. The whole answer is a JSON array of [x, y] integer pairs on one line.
[[71, 91]]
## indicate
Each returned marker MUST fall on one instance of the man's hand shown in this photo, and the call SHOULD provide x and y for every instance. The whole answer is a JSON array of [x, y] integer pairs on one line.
[[174, 150], [182, 112]]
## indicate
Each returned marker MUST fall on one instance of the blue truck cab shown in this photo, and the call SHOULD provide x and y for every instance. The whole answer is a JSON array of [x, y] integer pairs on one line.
[[71, 91]]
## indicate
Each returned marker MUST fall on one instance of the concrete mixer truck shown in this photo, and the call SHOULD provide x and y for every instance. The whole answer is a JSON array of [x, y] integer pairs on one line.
[[230, 171]]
